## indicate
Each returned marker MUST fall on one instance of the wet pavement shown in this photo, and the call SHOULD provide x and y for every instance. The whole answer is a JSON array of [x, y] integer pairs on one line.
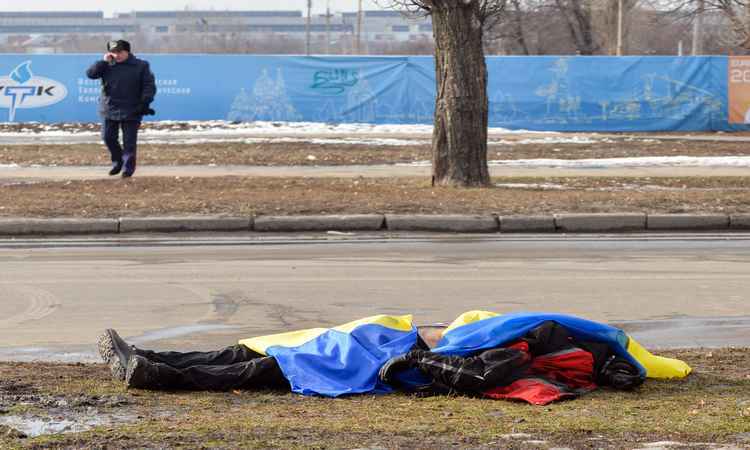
[[205, 292]]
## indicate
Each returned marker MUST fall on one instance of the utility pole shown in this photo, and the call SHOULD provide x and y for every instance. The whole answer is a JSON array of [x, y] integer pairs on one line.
[[307, 27], [698, 28], [619, 27], [359, 28], [328, 27]]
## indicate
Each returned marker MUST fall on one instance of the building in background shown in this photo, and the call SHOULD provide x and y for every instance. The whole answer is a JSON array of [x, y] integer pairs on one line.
[[207, 30]]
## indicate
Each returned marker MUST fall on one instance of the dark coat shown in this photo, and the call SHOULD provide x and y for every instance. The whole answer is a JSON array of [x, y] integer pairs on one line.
[[128, 88]]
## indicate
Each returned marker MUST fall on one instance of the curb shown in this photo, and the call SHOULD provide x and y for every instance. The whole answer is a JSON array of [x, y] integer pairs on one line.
[[356, 222], [449, 223], [739, 221], [597, 223], [22, 226], [557, 223], [198, 223], [527, 224], [687, 222]]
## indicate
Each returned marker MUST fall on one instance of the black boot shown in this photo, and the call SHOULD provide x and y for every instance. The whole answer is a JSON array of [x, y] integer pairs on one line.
[[144, 374], [116, 168], [115, 352]]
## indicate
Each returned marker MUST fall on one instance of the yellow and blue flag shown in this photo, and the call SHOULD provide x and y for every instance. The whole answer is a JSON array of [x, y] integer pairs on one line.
[[342, 360]]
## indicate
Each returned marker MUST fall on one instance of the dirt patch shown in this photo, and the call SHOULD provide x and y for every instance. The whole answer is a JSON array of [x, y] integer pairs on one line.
[[32, 405], [712, 406], [143, 196], [307, 154]]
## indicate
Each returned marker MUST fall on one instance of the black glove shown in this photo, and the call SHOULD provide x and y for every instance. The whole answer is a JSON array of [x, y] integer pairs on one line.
[[388, 371], [146, 110], [620, 374]]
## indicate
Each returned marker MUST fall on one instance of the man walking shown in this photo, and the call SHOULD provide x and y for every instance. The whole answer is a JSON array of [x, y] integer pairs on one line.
[[128, 88]]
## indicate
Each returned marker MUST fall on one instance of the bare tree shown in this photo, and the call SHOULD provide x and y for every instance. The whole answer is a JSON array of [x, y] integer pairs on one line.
[[459, 138], [736, 12], [608, 20], [509, 32], [578, 17]]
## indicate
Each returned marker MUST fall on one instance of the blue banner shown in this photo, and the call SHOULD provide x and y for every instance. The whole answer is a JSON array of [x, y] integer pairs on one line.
[[550, 93]]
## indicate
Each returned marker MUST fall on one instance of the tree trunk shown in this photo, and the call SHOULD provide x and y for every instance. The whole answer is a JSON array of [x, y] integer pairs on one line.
[[459, 139], [577, 15], [518, 27]]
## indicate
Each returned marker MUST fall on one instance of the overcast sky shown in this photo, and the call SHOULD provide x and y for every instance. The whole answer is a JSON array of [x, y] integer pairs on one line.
[[110, 6]]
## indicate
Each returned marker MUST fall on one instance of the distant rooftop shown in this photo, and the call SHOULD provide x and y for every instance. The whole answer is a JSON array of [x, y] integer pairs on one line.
[[215, 13], [51, 14], [375, 13], [45, 29]]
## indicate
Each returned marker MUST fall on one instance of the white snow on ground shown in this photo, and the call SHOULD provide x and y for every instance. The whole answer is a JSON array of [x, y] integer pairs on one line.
[[202, 132], [608, 163], [363, 141], [540, 186], [8, 166], [554, 140], [175, 128], [646, 161], [296, 140], [189, 139], [618, 188]]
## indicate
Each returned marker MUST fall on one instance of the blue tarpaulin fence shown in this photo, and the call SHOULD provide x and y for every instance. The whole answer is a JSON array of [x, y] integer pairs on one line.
[[554, 93]]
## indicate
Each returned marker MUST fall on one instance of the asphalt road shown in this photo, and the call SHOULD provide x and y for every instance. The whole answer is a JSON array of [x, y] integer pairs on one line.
[[202, 292]]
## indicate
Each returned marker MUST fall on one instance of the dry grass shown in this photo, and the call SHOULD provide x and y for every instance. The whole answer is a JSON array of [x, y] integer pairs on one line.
[[143, 196], [302, 153], [710, 406]]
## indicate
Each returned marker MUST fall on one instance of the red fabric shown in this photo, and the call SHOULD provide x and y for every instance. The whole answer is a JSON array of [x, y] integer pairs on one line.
[[550, 377], [531, 390], [574, 369], [520, 345]]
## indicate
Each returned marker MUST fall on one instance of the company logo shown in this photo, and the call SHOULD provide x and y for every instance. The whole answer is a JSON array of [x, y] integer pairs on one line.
[[21, 90]]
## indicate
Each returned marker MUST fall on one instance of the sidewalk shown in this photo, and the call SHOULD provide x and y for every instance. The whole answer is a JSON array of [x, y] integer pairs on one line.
[[65, 173]]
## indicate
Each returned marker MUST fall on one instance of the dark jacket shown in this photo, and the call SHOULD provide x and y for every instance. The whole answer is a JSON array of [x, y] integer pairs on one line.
[[128, 88]]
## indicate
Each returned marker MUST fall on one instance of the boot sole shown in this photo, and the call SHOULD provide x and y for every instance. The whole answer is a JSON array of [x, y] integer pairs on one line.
[[133, 366], [107, 352], [106, 347]]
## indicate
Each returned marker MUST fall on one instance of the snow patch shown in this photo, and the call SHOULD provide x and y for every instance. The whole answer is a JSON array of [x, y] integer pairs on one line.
[[553, 140], [173, 128], [608, 163], [542, 186]]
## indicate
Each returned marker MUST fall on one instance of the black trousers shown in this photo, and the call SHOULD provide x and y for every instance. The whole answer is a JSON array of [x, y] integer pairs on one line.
[[124, 155], [235, 367]]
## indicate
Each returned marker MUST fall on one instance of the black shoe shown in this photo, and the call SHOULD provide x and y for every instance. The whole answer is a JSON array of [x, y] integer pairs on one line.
[[126, 175], [115, 352], [141, 374], [115, 169]]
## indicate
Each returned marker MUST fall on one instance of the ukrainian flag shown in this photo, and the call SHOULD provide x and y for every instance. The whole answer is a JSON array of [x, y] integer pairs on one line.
[[474, 331], [342, 360]]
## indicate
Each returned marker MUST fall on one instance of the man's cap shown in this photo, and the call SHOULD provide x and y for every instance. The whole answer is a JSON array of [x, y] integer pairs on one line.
[[119, 45]]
